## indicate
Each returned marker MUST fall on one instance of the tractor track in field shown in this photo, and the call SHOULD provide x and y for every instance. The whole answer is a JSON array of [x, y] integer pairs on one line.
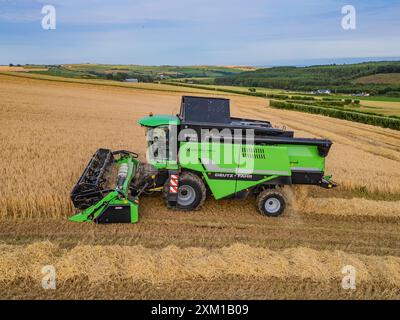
[[229, 287], [214, 228]]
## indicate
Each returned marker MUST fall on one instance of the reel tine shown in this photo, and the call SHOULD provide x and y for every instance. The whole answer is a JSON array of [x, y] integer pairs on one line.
[[92, 179]]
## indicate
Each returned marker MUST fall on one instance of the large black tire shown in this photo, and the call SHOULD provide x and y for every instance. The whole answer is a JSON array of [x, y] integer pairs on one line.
[[271, 203], [191, 192]]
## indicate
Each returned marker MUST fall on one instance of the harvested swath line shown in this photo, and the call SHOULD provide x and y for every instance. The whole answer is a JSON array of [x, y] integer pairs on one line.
[[352, 207]]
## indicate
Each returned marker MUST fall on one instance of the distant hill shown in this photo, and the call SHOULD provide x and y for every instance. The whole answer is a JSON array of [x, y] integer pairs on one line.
[[380, 78], [157, 71], [339, 78], [142, 73]]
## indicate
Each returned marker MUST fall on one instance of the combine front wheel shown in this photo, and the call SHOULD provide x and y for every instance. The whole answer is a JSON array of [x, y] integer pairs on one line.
[[191, 192], [271, 203]]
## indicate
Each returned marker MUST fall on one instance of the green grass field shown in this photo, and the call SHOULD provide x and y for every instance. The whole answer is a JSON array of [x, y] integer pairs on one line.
[[370, 98], [142, 73], [236, 88], [386, 106], [172, 71]]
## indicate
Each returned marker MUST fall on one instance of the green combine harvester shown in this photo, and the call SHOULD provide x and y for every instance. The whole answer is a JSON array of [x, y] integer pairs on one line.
[[202, 151]]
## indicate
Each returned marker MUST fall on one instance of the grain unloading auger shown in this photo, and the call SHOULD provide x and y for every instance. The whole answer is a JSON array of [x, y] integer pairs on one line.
[[109, 189]]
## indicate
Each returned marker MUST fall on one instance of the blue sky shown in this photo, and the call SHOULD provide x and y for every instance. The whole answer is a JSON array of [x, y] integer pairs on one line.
[[188, 32]]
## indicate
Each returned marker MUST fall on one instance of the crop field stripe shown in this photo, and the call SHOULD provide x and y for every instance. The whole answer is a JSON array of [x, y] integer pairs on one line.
[[98, 83], [333, 112]]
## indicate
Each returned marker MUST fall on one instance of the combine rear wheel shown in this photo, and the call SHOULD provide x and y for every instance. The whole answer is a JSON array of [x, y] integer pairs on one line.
[[271, 203], [191, 192]]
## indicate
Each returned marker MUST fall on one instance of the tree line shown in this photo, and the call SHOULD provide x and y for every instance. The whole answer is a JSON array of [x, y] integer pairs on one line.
[[338, 78]]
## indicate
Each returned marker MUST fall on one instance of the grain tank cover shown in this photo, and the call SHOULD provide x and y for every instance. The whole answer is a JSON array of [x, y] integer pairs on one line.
[[205, 110]]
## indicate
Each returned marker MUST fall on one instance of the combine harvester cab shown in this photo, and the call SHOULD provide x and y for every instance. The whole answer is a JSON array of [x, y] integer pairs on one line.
[[182, 164]]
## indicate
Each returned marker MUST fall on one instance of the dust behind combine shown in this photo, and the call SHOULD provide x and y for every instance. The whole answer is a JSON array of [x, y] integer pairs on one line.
[[226, 250]]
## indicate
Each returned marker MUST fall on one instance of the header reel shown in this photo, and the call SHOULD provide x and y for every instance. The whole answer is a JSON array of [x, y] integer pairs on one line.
[[102, 197]]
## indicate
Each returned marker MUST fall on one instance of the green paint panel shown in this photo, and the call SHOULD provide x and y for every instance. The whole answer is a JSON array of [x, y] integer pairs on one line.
[[169, 165], [264, 160], [270, 161], [158, 120], [242, 185], [134, 213], [211, 157], [220, 188], [306, 157]]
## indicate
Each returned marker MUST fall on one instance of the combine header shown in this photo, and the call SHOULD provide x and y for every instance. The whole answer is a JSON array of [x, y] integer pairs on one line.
[[203, 148], [92, 193]]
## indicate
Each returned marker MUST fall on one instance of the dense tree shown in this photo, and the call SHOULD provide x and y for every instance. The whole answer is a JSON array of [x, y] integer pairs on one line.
[[339, 78]]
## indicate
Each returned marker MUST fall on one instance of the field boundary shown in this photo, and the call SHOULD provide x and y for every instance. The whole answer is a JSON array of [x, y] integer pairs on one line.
[[391, 122], [333, 112], [194, 86], [327, 107], [78, 81]]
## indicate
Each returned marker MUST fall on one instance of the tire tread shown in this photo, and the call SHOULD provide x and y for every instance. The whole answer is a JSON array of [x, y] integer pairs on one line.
[[195, 179]]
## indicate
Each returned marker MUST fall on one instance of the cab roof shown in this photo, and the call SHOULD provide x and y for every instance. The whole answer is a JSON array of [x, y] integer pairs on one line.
[[159, 120]]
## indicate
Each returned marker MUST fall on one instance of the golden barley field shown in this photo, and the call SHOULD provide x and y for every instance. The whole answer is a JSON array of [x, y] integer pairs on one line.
[[50, 129]]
